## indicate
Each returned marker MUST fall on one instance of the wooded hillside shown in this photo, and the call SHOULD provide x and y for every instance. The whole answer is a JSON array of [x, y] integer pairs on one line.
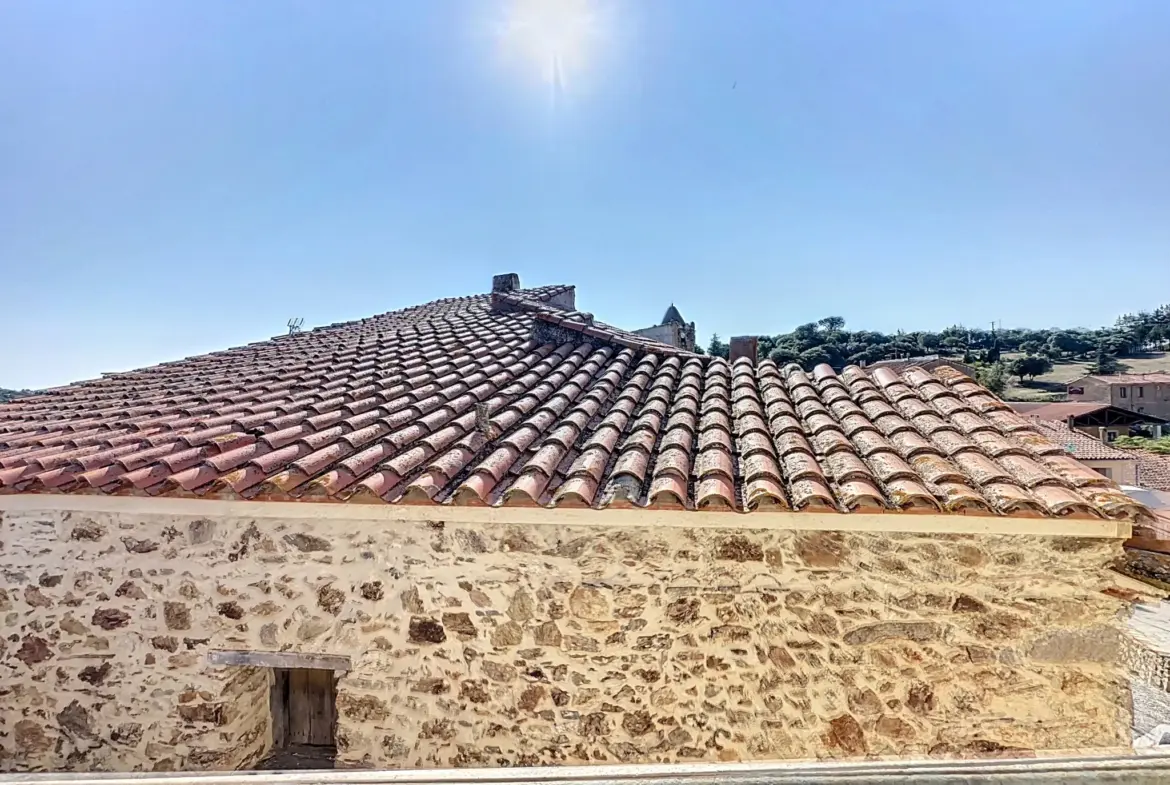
[[828, 341], [12, 395]]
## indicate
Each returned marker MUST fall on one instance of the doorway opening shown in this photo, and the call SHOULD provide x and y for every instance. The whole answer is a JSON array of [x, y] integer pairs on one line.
[[302, 704], [304, 719]]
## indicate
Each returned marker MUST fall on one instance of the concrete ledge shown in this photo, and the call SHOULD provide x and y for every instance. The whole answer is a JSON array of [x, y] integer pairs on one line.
[[560, 516], [1119, 768]]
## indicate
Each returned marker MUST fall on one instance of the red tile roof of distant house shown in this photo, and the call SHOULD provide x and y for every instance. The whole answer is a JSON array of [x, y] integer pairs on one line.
[[1153, 470], [514, 398], [1056, 411], [1154, 377], [1081, 445], [1063, 411]]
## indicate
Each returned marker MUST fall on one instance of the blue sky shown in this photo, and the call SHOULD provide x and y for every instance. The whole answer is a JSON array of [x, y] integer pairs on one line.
[[178, 177]]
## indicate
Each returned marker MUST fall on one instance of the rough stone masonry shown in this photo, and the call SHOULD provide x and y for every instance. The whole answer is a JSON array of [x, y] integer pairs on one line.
[[505, 645]]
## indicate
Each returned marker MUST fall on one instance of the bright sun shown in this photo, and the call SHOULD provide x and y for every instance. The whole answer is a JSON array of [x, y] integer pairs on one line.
[[552, 39]]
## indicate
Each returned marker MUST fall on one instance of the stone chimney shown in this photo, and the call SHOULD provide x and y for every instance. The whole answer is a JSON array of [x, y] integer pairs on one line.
[[744, 346], [507, 282]]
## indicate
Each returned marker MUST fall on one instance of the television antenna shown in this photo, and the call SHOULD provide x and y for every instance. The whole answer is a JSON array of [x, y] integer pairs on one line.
[[294, 325]]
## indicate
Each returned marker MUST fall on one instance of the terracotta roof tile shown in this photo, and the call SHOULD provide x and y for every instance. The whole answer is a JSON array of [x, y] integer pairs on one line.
[[1153, 470], [1073, 442], [511, 399], [1155, 377]]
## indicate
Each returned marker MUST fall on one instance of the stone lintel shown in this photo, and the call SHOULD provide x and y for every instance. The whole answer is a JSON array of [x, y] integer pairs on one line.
[[278, 659]]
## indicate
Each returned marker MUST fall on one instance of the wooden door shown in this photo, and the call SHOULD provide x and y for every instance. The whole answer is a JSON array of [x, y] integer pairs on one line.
[[311, 706]]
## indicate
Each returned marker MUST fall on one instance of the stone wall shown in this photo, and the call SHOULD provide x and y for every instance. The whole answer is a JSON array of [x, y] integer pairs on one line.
[[669, 334], [498, 645], [1145, 646], [1147, 664]]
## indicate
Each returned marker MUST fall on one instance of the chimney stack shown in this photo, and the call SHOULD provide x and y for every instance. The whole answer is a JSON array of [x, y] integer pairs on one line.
[[744, 346], [507, 282]]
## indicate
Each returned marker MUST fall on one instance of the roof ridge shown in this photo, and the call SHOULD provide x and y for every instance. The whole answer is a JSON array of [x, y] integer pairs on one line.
[[538, 293], [585, 323]]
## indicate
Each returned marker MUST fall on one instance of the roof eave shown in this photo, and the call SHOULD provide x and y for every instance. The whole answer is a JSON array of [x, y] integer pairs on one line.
[[922, 523]]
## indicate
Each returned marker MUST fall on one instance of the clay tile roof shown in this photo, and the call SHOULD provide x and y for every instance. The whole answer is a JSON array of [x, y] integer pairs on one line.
[[511, 398], [1061, 410], [1154, 377], [1081, 445], [1153, 470]]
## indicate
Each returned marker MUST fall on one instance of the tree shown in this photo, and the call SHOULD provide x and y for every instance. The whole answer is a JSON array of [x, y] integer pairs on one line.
[[1018, 368], [1160, 335], [718, 348], [1160, 446], [1027, 336], [839, 347], [900, 347], [994, 377], [764, 345], [1040, 365], [869, 337], [1062, 342], [1030, 347], [811, 358], [836, 353], [1119, 344], [929, 343], [1070, 342], [1105, 363], [1031, 366], [833, 324], [782, 355], [12, 395], [806, 336], [953, 344]]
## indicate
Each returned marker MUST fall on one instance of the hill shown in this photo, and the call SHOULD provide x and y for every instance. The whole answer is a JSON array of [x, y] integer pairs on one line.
[[1030, 364], [12, 395], [1051, 386]]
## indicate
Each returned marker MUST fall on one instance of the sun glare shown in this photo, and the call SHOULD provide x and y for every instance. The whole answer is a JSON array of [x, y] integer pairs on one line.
[[552, 40]]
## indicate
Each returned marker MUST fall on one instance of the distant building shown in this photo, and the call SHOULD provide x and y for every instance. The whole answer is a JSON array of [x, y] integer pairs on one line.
[[1144, 393], [1071, 424], [1099, 420], [673, 331], [1118, 465]]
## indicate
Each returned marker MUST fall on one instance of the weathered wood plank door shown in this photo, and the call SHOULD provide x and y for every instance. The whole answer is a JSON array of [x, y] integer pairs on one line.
[[311, 707]]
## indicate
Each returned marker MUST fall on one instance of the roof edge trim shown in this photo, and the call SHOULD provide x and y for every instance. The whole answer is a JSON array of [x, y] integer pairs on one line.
[[923, 523]]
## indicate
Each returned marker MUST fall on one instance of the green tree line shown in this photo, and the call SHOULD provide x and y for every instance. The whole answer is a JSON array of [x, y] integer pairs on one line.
[[828, 341], [12, 395]]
